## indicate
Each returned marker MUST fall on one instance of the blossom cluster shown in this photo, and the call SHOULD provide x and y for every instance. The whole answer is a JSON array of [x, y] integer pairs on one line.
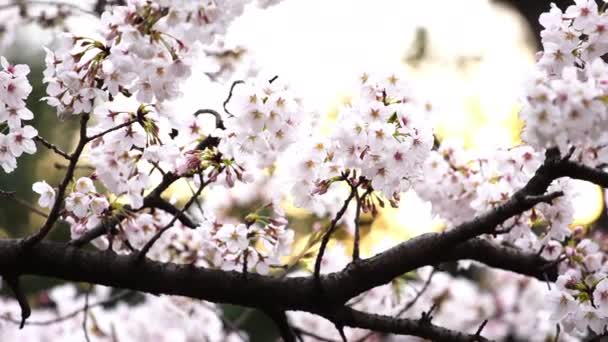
[[85, 208], [383, 136], [257, 244], [580, 296], [383, 142], [564, 101], [143, 50], [121, 157], [14, 89], [260, 242], [267, 118], [455, 177]]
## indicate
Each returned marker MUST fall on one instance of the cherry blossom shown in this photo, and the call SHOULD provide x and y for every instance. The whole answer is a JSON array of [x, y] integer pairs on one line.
[[268, 150], [46, 192]]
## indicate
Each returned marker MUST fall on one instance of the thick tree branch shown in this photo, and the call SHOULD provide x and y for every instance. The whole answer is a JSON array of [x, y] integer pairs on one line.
[[62, 261], [301, 293], [503, 257]]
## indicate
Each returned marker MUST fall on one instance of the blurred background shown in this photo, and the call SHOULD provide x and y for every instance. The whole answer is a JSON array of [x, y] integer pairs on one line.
[[470, 57]]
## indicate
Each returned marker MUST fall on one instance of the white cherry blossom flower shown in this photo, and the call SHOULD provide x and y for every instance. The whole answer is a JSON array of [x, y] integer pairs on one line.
[[46, 192]]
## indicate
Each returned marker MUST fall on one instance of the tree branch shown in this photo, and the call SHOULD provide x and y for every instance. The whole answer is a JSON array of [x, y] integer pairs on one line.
[[357, 319], [55, 210], [280, 320], [66, 262], [302, 293], [12, 279], [51, 147]]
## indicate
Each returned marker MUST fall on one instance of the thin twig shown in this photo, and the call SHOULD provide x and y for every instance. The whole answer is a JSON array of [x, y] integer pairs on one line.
[[198, 203], [481, 326], [340, 329], [158, 234], [356, 254], [300, 331], [243, 317], [51, 147], [411, 303], [230, 95], [427, 316], [330, 231], [109, 130], [110, 300], [13, 282], [12, 196], [60, 166], [86, 313]]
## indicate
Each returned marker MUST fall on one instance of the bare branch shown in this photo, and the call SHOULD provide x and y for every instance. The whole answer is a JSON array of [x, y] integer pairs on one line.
[[86, 314], [357, 319], [158, 234], [110, 300], [13, 196], [330, 231], [357, 238], [300, 331], [234, 84], [112, 129], [51, 147]]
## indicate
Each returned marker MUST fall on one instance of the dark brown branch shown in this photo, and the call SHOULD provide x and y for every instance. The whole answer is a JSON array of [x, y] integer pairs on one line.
[[296, 293], [86, 314], [301, 293], [357, 238], [150, 201], [504, 257], [481, 326], [110, 300], [13, 196], [234, 84], [51, 147], [357, 319], [300, 331], [161, 204], [13, 282], [158, 234], [330, 231], [112, 129], [407, 306], [154, 199], [55, 210]]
